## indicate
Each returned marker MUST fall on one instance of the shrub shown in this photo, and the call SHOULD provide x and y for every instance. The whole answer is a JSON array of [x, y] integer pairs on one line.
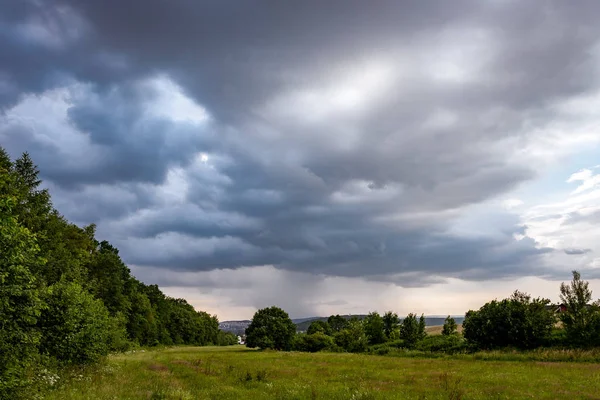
[[398, 344], [353, 338], [226, 338], [442, 343], [75, 325], [312, 343]]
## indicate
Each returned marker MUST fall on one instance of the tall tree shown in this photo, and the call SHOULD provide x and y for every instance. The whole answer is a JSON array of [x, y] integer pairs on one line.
[[6, 163], [390, 323], [412, 329], [374, 328], [449, 327], [20, 304], [581, 319]]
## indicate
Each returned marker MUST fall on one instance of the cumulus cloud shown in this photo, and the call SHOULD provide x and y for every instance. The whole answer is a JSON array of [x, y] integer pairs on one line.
[[329, 139]]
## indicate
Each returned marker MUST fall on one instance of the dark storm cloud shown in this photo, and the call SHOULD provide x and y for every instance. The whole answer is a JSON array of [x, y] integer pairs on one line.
[[344, 136]]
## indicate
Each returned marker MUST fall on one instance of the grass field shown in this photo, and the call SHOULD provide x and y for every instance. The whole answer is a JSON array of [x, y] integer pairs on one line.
[[239, 373]]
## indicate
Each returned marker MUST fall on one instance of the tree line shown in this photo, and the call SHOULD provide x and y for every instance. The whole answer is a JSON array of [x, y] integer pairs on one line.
[[67, 298], [518, 322]]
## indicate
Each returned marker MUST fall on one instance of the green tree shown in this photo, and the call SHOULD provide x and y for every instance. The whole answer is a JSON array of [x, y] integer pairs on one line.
[[450, 327], [226, 339], [412, 329], [517, 321], [390, 323], [352, 338], [581, 320], [20, 303], [319, 326], [6, 163], [141, 321], [374, 328], [337, 323], [75, 325], [110, 279], [34, 205], [64, 296], [270, 328]]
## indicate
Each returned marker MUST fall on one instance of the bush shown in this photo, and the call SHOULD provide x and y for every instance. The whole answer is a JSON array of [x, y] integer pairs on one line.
[[75, 325], [117, 334], [442, 343], [226, 339], [271, 328], [353, 338], [398, 344], [515, 322], [312, 343]]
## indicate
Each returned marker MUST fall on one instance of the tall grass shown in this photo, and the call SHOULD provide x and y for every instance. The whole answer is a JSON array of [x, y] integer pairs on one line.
[[240, 373]]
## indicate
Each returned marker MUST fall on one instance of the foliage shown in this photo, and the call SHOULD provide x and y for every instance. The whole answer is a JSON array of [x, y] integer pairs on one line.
[[374, 328], [270, 328], [226, 339], [319, 326], [450, 327], [66, 298], [337, 323], [412, 330], [581, 320], [518, 322], [312, 342], [20, 303], [74, 325], [442, 343], [353, 338], [391, 324]]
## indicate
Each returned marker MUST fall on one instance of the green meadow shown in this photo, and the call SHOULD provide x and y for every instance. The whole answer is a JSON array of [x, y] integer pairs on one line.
[[240, 373]]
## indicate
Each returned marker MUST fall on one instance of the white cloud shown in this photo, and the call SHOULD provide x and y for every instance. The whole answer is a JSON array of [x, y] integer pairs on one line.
[[587, 178], [171, 102], [509, 204]]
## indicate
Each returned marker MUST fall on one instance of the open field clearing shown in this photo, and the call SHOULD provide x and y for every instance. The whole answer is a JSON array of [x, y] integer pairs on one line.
[[240, 373], [437, 329]]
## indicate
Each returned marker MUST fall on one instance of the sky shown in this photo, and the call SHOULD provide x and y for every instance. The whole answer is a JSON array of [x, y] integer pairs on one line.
[[325, 157]]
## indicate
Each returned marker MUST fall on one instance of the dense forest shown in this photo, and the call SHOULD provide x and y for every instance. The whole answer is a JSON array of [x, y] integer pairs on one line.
[[67, 298]]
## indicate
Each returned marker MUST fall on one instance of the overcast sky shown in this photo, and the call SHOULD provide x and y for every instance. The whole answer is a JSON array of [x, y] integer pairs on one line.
[[326, 157]]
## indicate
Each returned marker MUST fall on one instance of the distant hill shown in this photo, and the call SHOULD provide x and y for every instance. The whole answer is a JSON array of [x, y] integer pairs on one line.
[[302, 324]]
